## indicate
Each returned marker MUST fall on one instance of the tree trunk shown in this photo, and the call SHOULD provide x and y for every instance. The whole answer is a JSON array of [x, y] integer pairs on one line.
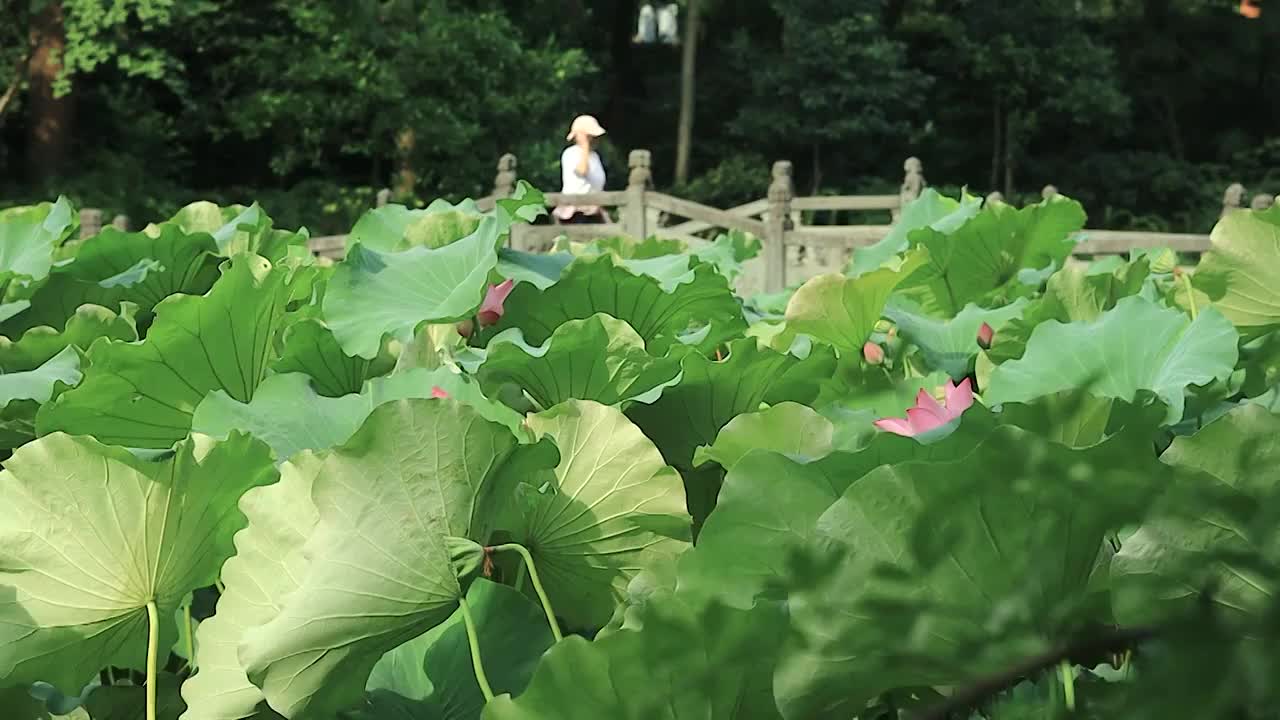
[[684, 133], [49, 117], [624, 81], [817, 168], [997, 122], [19, 73], [1009, 145], [1171, 126], [891, 14], [406, 178]]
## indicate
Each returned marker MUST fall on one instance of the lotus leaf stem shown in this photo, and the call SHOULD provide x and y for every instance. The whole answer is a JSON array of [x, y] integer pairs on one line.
[[537, 585], [1068, 684], [1191, 294], [153, 652], [190, 636], [481, 679]]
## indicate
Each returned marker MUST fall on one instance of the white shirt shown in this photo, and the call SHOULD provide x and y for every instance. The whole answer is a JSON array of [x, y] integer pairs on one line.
[[574, 184]]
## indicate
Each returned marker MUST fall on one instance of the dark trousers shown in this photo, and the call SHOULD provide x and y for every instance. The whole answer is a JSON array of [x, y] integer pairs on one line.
[[578, 218]]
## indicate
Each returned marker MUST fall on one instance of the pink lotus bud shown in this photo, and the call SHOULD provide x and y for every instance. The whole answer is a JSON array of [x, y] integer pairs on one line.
[[438, 392], [491, 309], [465, 328], [985, 336], [872, 353]]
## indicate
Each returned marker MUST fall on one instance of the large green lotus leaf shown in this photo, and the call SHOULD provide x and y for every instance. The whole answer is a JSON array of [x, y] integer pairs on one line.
[[949, 345], [311, 348], [612, 508], [143, 394], [770, 502], [38, 384], [28, 238], [235, 228], [1138, 345], [431, 678], [290, 416], [1166, 565], [374, 294], [843, 311], [987, 252], [729, 253], [1241, 272], [91, 534], [267, 566], [20, 704], [934, 573], [1075, 293], [598, 285], [542, 270], [682, 663], [600, 358], [22, 393], [788, 428], [129, 702], [713, 392], [416, 473], [932, 210], [89, 322], [114, 267], [392, 228], [1078, 419]]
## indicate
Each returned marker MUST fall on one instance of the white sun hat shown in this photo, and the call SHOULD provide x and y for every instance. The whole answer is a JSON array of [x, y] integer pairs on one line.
[[587, 124]]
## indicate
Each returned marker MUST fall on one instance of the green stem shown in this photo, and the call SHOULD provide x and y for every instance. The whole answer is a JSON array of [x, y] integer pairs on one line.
[[520, 573], [153, 652], [474, 642], [1191, 294], [537, 585], [1068, 684], [191, 641]]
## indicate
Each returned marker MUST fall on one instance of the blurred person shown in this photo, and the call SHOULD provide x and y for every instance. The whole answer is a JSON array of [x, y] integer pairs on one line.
[[582, 172]]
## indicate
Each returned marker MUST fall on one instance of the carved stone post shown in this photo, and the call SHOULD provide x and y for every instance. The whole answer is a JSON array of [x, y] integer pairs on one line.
[[1232, 199], [121, 223], [1262, 201], [912, 184], [781, 191], [504, 183], [1049, 192], [638, 181], [90, 222]]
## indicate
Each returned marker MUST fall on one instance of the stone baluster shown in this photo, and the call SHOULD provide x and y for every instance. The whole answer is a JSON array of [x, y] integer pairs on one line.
[[913, 184], [90, 222], [640, 177], [781, 192]]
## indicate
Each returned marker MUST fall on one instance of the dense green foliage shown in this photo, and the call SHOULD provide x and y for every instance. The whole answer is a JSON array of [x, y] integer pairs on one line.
[[1144, 110], [240, 482]]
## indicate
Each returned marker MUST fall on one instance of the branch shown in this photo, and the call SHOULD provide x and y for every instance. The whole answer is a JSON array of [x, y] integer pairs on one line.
[[13, 86], [1112, 640]]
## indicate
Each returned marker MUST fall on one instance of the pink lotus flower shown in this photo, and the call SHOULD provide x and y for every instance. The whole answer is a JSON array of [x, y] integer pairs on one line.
[[928, 414], [491, 309], [985, 336], [438, 392], [872, 353]]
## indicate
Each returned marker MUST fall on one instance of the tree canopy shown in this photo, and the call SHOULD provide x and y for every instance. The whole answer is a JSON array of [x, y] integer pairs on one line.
[[1143, 109]]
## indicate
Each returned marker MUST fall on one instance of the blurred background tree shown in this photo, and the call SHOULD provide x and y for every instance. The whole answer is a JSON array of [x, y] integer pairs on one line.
[[1142, 109]]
